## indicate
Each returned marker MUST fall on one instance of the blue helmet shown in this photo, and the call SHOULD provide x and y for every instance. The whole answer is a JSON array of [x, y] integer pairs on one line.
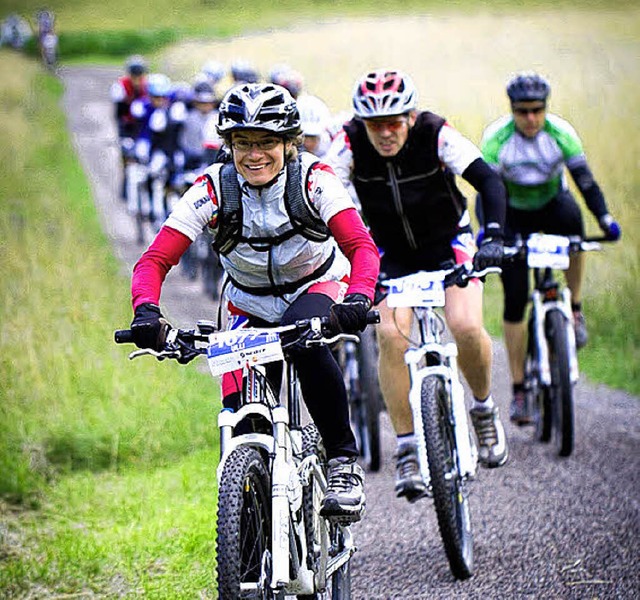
[[159, 85], [528, 87]]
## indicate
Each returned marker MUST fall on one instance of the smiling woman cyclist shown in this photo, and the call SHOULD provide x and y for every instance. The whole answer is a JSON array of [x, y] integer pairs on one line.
[[293, 247]]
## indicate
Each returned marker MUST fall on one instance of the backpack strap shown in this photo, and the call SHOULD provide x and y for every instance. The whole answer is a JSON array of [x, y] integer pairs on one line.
[[305, 219], [304, 216], [229, 210]]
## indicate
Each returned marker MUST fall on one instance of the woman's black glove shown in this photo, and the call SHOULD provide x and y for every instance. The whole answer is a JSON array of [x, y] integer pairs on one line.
[[351, 315], [491, 250], [149, 327]]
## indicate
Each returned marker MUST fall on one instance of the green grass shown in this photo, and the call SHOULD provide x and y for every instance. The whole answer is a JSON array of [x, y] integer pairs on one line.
[[119, 28], [128, 534], [70, 399]]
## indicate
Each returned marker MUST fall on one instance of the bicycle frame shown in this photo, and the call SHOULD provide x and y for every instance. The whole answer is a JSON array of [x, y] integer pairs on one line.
[[544, 254], [544, 298], [290, 474], [434, 357]]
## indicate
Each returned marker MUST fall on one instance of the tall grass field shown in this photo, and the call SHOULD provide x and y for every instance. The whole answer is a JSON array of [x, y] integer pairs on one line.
[[117, 457], [107, 468]]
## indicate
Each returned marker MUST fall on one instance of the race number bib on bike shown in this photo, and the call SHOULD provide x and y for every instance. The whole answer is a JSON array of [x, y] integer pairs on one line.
[[425, 288], [548, 251], [232, 350]]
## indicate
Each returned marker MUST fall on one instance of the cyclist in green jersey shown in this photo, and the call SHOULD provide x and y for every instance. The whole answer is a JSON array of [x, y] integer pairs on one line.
[[530, 148]]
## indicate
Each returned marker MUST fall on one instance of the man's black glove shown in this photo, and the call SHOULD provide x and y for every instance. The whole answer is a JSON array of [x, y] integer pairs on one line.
[[351, 315], [491, 249], [149, 327]]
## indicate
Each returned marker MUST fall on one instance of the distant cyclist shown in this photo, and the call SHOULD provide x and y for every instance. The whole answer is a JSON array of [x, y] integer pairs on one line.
[[530, 148], [130, 87], [290, 79], [315, 119], [161, 117], [242, 71], [402, 162], [198, 138]]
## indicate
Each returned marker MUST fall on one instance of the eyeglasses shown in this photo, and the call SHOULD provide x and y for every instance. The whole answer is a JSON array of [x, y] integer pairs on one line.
[[264, 145], [395, 125], [536, 110]]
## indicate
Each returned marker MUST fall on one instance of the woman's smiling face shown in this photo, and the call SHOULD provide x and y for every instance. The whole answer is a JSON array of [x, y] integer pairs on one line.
[[258, 155]]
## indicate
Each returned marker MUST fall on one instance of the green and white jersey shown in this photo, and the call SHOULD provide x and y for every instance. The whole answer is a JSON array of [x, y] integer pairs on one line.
[[532, 168]]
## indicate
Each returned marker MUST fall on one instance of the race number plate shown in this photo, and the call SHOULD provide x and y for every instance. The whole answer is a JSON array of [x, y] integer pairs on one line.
[[231, 350], [548, 251], [422, 289]]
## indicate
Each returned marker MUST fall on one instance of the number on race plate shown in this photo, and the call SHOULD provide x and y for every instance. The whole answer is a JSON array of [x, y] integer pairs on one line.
[[232, 350], [425, 288], [548, 251]]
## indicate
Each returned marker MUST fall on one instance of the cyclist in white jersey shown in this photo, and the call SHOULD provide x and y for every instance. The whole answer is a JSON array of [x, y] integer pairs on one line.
[[284, 262], [530, 148]]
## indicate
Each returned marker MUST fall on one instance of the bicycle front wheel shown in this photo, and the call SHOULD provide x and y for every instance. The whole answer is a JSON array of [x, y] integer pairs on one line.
[[561, 388], [244, 527], [450, 493]]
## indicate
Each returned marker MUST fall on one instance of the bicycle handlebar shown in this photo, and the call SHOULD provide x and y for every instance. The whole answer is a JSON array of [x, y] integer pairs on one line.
[[576, 244], [180, 344]]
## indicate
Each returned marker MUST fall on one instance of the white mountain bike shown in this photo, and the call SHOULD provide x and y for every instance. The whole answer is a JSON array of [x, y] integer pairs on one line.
[[272, 541], [447, 453], [551, 362]]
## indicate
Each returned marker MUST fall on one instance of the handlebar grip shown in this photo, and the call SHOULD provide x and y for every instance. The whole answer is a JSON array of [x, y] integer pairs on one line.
[[373, 316], [123, 336]]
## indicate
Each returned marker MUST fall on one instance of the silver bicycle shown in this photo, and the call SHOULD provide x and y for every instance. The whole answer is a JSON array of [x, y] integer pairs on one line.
[[447, 453], [272, 541]]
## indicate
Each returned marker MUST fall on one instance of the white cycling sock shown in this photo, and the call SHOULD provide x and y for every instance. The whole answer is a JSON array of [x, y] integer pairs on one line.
[[485, 404], [406, 439]]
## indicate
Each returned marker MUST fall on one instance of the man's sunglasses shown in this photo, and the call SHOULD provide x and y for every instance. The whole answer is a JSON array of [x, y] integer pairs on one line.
[[536, 110], [394, 125]]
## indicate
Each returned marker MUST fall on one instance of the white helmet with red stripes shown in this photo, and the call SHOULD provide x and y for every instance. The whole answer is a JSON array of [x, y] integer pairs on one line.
[[384, 93]]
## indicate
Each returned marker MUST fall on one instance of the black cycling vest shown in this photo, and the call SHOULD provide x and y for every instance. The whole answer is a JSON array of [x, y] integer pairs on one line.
[[409, 200]]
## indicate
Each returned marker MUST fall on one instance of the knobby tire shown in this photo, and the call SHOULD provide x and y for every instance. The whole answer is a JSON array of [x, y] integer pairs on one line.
[[450, 495], [244, 523], [561, 388]]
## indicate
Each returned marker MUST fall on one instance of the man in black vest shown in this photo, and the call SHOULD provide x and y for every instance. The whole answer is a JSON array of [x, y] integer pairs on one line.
[[402, 163]]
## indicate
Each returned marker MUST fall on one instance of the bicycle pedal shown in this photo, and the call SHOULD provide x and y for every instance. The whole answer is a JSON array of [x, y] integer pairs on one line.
[[413, 498], [340, 516]]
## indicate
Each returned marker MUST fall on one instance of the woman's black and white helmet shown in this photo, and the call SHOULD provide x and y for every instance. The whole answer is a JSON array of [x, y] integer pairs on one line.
[[528, 87], [260, 106]]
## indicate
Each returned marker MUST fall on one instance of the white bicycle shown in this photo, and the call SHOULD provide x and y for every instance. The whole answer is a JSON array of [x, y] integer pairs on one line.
[[447, 453], [272, 541]]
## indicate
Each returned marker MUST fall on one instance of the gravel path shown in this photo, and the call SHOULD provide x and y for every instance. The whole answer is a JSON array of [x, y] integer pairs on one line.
[[543, 527]]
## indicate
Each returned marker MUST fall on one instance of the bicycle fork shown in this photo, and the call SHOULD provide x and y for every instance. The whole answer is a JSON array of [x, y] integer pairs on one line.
[[467, 455], [540, 310]]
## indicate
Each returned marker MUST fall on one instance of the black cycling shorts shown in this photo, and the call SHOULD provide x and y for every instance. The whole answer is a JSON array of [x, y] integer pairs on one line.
[[561, 216]]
